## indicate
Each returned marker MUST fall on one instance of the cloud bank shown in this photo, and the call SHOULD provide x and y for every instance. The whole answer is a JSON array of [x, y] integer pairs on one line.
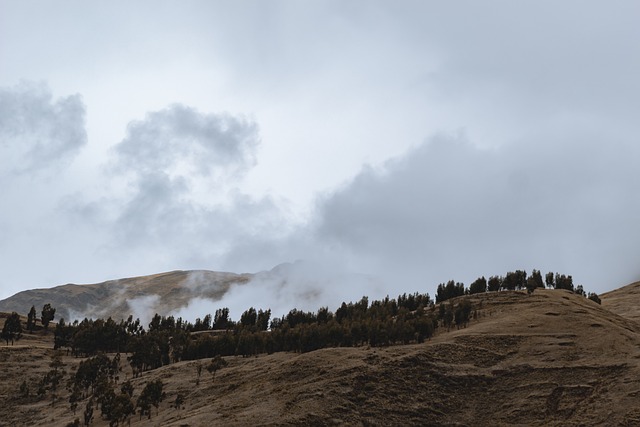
[[170, 197], [450, 210]]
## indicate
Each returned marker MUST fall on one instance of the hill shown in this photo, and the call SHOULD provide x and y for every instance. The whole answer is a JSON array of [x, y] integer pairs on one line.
[[624, 301], [550, 358], [161, 293]]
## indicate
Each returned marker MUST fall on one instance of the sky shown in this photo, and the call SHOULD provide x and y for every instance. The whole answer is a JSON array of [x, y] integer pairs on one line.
[[379, 147]]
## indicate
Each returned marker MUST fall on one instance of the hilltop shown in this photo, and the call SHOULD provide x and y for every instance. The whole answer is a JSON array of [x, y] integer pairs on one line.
[[158, 293], [549, 358]]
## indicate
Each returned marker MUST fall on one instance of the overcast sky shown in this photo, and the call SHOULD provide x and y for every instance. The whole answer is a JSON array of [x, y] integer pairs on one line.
[[390, 145]]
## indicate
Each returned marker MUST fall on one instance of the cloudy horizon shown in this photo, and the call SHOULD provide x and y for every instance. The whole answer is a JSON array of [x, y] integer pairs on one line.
[[409, 143]]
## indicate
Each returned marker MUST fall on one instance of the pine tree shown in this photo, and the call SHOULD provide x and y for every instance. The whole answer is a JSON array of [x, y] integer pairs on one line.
[[12, 329], [48, 313], [152, 394], [215, 364], [88, 412], [31, 319]]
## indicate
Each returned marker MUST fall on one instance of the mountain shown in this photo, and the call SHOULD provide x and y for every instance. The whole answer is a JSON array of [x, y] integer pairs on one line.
[[138, 296], [550, 358]]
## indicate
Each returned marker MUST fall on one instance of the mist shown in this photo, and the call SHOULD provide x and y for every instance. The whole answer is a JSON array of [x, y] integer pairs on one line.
[[387, 147]]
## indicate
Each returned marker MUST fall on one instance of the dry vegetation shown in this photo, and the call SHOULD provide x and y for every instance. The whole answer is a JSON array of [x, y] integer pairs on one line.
[[550, 358]]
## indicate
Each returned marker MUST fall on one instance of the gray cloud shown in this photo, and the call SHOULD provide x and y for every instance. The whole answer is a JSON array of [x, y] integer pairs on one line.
[[448, 208], [180, 207], [36, 132], [550, 88], [180, 139]]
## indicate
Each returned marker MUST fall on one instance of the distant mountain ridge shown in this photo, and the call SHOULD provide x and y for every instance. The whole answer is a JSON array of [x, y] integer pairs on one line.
[[163, 293]]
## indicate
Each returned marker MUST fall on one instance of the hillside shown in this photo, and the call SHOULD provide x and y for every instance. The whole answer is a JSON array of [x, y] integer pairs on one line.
[[551, 358], [160, 293], [624, 301]]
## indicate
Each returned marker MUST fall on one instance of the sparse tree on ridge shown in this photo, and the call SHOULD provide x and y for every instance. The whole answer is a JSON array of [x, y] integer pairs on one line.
[[12, 329], [479, 286], [494, 284], [48, 314], [536, 276], [594, 297], [31, 319], [549, 280]]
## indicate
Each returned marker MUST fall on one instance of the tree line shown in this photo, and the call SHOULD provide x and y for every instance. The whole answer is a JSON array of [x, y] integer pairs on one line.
[[512, 281], [12, 329], [409, 318]]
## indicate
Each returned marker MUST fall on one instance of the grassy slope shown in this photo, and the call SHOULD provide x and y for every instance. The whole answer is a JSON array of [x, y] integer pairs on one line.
[[552, 358]]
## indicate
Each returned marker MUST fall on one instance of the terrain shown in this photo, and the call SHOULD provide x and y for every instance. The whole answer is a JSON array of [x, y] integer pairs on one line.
[[624, 301], [549, 358], [158, 293]]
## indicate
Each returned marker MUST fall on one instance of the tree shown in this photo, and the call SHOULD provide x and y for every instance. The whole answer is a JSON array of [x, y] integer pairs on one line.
[[494, 284], [216, 363], [121, 409], [479, 286], [462, 313], [536, 276], [549, 280], [74, 397], [515, 280], [127, 388], [249, 318], [31, 319], [448, 315], [564, 282], [48, 313], [88, 412], [221, 319], [12, 329], [263, 320], [179, 401], [450, 290], [55, 375], [199, 372], [594, 297], [152, 394]]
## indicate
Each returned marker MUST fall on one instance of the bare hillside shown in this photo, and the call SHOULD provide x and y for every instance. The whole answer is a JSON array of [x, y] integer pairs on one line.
[[161, 293], [551, 358], [624, 301]]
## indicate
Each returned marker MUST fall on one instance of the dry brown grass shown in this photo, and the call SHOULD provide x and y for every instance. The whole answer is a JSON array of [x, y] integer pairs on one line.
[[552, 358]]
